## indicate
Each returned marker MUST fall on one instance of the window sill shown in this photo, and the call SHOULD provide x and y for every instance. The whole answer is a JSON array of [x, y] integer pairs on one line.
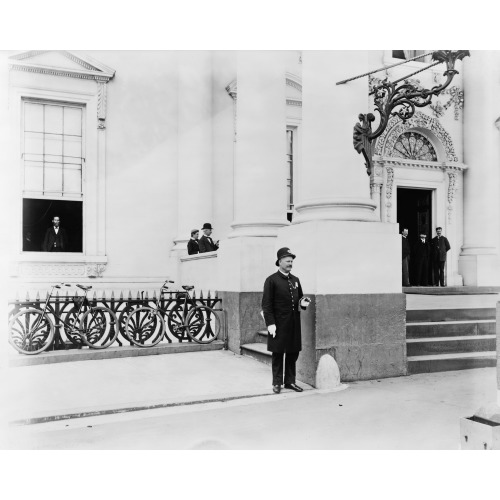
[[58, 266]]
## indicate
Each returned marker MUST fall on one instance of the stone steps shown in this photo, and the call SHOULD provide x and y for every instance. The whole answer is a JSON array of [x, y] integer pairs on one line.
[[450, 339], [257, 351]]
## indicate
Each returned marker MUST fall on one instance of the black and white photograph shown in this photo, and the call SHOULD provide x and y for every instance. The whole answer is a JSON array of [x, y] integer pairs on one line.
[[217, 248]]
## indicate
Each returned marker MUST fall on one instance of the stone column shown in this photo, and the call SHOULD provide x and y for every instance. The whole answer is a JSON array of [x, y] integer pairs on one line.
[[259, 185], [479, 262], [347, 260], [194, 168], [247, 256]]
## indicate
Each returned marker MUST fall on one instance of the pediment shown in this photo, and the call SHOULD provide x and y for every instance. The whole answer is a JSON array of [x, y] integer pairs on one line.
[[62, 63]]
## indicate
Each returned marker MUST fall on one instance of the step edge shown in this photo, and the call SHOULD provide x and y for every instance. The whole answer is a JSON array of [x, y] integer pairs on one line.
[[462, 355], [447, 339]]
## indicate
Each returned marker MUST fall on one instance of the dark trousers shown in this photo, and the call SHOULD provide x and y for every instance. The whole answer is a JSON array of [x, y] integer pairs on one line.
[[438, 266], [277, 364], [405, 270]]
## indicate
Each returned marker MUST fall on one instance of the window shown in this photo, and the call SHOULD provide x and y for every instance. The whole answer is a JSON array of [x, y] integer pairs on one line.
[[289, 172], [52, 150], [414, 146], [53, 159], [409, 54]]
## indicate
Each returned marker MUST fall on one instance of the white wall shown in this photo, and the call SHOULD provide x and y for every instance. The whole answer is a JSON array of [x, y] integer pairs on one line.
[[141, 184]]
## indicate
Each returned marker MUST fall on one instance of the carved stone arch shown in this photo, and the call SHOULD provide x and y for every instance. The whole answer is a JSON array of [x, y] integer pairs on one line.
[[425, 125]]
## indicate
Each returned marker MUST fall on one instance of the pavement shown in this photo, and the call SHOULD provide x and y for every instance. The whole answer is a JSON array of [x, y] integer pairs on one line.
[[219, 400]]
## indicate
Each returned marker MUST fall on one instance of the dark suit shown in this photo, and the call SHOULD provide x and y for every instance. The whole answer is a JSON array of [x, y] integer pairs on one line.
[[439, 246], [421, 257], [280, 305], [193, 247], [55, 242], [207, 245]]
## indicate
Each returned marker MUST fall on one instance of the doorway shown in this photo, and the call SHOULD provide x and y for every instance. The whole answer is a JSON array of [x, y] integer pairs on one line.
[[414, 212]]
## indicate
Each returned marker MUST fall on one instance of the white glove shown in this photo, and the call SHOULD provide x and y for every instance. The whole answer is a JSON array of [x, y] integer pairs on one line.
[[272, 330], [304, 302]]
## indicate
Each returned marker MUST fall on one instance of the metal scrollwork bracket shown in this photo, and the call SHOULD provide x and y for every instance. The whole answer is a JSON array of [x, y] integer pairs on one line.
[[402, 100]]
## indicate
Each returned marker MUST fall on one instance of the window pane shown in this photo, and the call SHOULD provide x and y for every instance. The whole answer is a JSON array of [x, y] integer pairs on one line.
[[72, 148], [33, 143], [33, 176], [53, 146], [53, 177], [33, 117], [53, 119], [72, 179], [73, 121]]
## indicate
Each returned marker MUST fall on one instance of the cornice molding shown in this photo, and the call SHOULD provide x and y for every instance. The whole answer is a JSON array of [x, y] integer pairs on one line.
[[90, 69], [401, 162]]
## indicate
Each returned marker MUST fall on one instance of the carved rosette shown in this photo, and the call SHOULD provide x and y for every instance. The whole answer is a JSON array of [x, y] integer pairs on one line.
[[386, 142], [95, 270]]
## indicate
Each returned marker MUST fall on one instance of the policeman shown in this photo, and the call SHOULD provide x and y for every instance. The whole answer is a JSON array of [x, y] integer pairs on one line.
[[281, 304]]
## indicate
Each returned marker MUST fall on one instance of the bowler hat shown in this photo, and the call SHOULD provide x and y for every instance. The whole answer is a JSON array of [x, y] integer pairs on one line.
[[284, 252], [207, 225]]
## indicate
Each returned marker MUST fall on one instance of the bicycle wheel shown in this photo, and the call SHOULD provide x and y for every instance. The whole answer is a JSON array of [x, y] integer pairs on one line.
[[203, 325], [98, 328], [71, 327], [145, 327], [175, 322], [30, 331]]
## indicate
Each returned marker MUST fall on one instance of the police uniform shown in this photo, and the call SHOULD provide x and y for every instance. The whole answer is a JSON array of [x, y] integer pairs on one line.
[[281, 307]]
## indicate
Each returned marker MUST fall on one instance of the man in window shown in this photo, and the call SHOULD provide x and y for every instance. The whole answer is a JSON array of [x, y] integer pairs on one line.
[[55, 238]]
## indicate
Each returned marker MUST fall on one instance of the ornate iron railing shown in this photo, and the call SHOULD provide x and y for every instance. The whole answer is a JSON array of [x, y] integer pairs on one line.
[[59, 309]]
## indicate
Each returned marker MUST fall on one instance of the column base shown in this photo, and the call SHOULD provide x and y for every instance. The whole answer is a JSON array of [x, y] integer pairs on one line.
[[267, 228], [345, 256], [341, 209], [479, 269]]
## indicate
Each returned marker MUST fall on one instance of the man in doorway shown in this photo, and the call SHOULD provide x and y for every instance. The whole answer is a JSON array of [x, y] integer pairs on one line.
[[193, 245], [421, 254], [405, 248], [206, 242], [281, 303], [439, 247], [55, 238]]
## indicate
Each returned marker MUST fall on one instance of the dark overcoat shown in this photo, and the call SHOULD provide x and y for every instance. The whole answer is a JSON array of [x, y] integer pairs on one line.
[[207, 244], [280, 305], [440, 245], [193, 247]]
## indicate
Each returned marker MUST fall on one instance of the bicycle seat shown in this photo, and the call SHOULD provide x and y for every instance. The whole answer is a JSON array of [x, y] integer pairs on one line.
[[86, 288], [187, 287]]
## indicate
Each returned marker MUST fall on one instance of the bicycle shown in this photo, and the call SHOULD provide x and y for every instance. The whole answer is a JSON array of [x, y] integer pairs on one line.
[[145, 326], [31, 331]]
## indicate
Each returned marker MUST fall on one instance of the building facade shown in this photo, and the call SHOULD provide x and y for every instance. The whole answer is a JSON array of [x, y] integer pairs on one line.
[[134, 149]]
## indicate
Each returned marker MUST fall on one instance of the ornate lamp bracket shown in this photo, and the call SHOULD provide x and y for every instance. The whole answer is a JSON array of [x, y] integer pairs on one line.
[[401, 100]]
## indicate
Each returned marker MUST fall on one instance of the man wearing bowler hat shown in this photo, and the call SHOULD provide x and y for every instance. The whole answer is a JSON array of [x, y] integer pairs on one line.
[[206, 243], [281, 304]]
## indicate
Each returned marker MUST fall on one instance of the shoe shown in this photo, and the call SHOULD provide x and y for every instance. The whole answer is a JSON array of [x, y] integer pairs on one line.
[[277, 389], [294, 387]]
